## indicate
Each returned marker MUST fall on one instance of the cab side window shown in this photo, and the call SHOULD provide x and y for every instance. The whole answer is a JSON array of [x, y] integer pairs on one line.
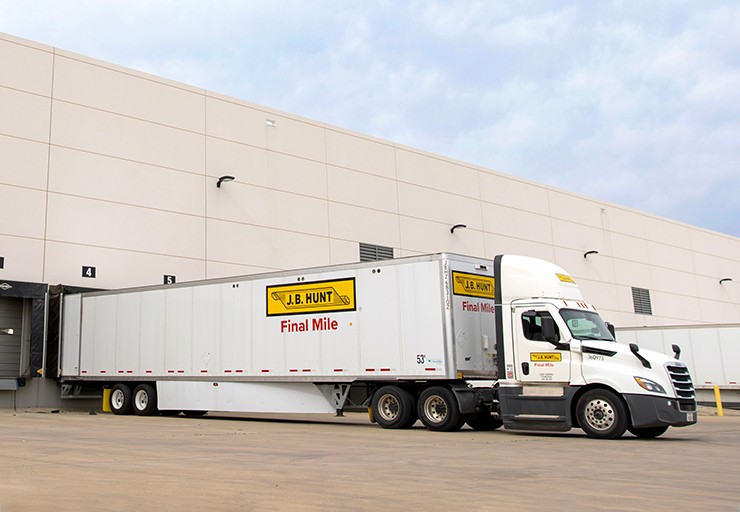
[[532, 326]]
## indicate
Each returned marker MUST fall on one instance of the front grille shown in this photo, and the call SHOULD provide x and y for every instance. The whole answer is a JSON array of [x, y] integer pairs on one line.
[[682, 384], [687, 405]]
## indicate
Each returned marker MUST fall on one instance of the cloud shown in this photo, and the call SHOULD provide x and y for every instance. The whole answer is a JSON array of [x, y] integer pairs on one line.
[[637, 104], [640, 117]]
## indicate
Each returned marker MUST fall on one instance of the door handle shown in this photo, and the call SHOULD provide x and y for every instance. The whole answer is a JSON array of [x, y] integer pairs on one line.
[[525, 368]]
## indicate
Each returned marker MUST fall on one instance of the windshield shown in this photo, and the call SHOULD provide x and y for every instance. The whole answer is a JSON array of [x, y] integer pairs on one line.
[[586, 325]]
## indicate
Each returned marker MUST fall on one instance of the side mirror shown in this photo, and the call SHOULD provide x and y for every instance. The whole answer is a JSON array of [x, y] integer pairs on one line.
[[635, 349], [676, 351], [610, 328], [550, 333]]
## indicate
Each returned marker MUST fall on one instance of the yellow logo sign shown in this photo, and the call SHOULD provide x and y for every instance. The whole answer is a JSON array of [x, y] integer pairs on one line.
[[472, 285], [565, 278], [307, 298], [545, 356]]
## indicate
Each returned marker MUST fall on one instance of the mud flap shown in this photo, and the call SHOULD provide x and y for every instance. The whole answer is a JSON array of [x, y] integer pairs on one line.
[[466, 398]]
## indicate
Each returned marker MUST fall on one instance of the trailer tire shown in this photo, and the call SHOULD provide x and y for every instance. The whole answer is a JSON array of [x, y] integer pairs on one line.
[[602, 414], [145, 400], [438, 410], [648, 432], [120, 399], [413, 417], [194, 414], [393, 407], [484, 421]]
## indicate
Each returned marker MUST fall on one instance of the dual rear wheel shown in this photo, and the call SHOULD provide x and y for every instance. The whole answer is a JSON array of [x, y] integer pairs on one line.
[[394, 407], [437, 408], [142, 401]]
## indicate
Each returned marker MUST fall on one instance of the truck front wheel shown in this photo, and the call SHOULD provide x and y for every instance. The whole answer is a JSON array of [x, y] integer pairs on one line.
[[120, 399], [602, 414], [145, 400], [393, 407], [438, 410]]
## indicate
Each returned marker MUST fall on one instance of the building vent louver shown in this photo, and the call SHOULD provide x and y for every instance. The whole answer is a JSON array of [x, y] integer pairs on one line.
[[370, 252], [641, 300]]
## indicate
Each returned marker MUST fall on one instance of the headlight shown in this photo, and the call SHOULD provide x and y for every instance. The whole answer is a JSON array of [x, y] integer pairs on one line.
[[649, 385]]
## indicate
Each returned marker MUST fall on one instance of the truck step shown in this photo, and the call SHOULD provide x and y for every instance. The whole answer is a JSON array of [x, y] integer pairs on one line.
[[537, 422]]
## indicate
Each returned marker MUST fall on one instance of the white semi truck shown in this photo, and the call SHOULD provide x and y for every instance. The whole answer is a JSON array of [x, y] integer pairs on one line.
[[445, 339]]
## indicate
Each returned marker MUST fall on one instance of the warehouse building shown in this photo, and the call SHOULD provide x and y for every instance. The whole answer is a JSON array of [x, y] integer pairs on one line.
[[112, 178]]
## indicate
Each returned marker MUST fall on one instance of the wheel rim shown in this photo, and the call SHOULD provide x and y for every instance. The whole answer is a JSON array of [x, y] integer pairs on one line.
[[600, 414], [388, 407], [141, 400], [435, 409], [117, 399]]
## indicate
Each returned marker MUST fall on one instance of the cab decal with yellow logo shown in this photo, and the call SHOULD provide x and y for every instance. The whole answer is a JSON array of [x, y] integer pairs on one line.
[[565, 278], [309, 298], [545, 356], [472, 285]]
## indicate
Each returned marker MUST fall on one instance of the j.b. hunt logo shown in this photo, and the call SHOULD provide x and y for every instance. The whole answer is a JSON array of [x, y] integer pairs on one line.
[[472, 285], [313, 297]]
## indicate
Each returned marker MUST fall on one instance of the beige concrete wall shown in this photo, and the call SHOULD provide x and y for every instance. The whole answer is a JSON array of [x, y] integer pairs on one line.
[[109, 167]]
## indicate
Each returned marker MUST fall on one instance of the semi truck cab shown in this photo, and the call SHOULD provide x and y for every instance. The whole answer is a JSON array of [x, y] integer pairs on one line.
[[563, 368]]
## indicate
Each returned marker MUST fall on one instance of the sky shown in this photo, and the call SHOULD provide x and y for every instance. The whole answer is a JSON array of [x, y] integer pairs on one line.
[[632, 102]]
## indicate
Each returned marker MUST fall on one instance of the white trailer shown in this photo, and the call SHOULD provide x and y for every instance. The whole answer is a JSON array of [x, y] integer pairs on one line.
[[443, 338], [711, 351]]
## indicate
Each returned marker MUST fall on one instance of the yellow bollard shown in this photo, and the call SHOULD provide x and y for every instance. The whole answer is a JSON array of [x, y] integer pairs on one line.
[[718, 399], [106, 400]]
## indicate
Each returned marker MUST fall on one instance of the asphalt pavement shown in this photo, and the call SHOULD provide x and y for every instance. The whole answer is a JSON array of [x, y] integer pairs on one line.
[[78, 461]]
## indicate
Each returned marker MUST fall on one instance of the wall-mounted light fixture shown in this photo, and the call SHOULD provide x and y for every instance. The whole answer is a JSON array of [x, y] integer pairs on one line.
[[585, 254], [457, 226], [271, 123], [224, 179], [725, 280], [6, 332]]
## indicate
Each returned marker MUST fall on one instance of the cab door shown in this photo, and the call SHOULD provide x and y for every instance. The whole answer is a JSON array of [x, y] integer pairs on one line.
[[540, 354]]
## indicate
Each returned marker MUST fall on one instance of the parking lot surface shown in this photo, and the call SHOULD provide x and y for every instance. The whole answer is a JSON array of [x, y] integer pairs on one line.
[[78, 461]]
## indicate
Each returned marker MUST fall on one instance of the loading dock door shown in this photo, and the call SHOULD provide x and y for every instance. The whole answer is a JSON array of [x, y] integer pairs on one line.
[[11, 317]]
